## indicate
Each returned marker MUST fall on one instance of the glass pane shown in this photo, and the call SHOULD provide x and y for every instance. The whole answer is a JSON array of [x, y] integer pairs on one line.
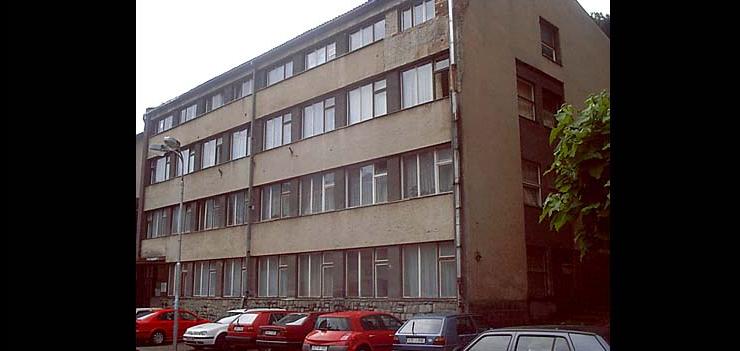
[[286, 130], [447, 276], [354, 106], [269, 134], [315, 274], [418, 14], [329, 191], [382, 274], [562, 345], [307, 121], [410, 89], [355, 40], [354, 186], [447, 248], [526, 109], [263, 276], [273, 260], [306, 195], [366, 272], [530, 172], [429, 9], [524, 89], [585, 342], [411, 271], [426, 169], [445, 177], [328, 282], [379, 29], [318, 118], [289, 69], [321, 56], [425, 83], [367, 184], [303, 269], [410, 187], [317, 187], [329, 119], [331, 51], [531, 196], [406, 19], [534, 343], [367, 101], [311, 60], [265, 203], [367, 35], [284, 199], [275, 197], [352, 273], [283, 282], [429, 270], [444, 154], [228, 277], [381, 105]]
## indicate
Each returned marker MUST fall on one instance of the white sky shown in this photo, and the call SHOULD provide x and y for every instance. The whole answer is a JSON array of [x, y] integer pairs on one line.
[[183, 43]]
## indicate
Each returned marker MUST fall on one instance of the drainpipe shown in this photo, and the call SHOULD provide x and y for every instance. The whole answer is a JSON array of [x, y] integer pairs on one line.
[[457, 189], [250, 162]]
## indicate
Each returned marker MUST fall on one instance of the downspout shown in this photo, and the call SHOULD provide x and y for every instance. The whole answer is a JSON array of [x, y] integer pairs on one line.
[[457, 189], [250, 162]]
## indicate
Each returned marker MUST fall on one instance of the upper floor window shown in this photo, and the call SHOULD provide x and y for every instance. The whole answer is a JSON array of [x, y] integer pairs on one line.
[[236, 208], [321, 55], [318, 118], [429, 270], [428, 172], [209, 154], [416, 85], [276, 200], [367, 101], [277, 131], [188, 113], [367, 35], [280, 72], [240, 144], [158, 223], [532, 183], [368, 184], [164, 124], [317, 193], [189, 159], [551, 103], [246, 88], [161, 170], [419, 12], [550, 40], [525, 94], [216, 101]]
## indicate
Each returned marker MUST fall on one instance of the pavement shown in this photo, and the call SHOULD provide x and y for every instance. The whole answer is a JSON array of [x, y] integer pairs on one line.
[[180, 347]]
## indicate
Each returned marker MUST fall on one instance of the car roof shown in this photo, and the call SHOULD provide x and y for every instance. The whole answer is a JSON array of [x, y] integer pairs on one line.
[[351, 314], [583, 329], [264, 310], [441, 315]]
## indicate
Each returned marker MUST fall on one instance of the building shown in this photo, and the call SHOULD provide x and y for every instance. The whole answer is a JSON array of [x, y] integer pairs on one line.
[[357, 166]]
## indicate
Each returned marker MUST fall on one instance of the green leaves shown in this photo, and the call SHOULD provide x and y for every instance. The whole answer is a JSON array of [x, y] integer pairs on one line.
[[581, 166]]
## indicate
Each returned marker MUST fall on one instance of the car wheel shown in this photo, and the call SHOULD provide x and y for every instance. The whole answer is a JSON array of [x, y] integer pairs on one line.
[[157, 338], [220, 342]]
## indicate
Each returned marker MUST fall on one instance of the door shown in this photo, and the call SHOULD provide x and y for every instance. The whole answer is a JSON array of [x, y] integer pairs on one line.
[[164, 322], [465, 329]]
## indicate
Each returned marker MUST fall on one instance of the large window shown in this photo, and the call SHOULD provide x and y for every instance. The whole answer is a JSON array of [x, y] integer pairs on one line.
[[309, 274], [235, 278], [164, 124], [551, 103], [186, 156], [240, 144], [360, 273], [186, 280], [215, 102], [367, 35], [549, 41], [236, 208], [212, 213], [321, 55], [209, 154], [276, 200], [532, 183], [246, 88], [188, 224], [277, 131], [206, 274], [158, 223], [162, 169], [525, 94], [417, 86], [419, 12], [429, 270], [268, 276], [428, 172], [318, 118], [367, 101], [280, 72], [188, 113], [367, 184], [317, 193]]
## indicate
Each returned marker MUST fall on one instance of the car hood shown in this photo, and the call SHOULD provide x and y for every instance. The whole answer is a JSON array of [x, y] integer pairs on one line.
[[209, 327]]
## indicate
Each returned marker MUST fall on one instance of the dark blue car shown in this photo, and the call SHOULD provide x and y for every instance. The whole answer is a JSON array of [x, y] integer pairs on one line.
[[437, 332]]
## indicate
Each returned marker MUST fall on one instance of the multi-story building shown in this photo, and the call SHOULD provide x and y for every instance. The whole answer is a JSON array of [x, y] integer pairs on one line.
[[377, 161]]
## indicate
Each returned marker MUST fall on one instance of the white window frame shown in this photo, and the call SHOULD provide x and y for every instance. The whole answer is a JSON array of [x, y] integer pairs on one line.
[[310, 293], [217, 101], [235, 267], [285, 124], [243, 136], [416, 70], [442, 259], [179, 167], [375, 90], [212, 155], [359, 273], [246, 88], [324, 266], [436, 164], [188, 113], [330, 53], [373, 34], [268, 193], [205, 272], [439, 259], [378, 263], [266, 260], [324, 185], [375, 176], [426, 16], [287, 72]]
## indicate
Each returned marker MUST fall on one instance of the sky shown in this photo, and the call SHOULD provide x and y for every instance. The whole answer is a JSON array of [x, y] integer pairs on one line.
[[183, 43]]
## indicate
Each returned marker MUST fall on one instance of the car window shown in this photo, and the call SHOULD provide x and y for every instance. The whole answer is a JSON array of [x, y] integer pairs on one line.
[[561, 345], [492, 343], [228, 318], [292, 319], [246, 318], [422, 326], [333, 323], [371, 323], [390, 322], [167, 316], [187, 316], [274, 317], [465, 326], [537, 343], [584, 342]]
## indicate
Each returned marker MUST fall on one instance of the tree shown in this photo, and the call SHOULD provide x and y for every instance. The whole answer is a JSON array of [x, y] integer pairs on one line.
[[602, 21], [582, 181]]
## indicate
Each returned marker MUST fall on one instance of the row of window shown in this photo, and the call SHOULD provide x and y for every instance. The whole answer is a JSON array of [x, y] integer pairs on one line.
[[551, 102]]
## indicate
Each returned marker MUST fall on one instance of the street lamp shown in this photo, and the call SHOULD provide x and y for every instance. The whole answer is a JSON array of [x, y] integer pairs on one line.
[[173, 145]]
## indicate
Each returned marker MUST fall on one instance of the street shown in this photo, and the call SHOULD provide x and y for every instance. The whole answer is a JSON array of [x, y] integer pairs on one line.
[[180, 347]]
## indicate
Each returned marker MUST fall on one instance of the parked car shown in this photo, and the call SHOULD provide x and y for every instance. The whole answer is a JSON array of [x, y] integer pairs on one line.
[[242, 331], [542, 338], [440, 332], [287, 333], [212, 334], [156, 327], [143, 311], [352, 331]]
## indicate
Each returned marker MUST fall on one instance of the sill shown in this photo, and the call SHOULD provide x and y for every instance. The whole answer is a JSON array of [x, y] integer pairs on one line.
[[553, 61], [197, 231], [199, 170], [200, 115]]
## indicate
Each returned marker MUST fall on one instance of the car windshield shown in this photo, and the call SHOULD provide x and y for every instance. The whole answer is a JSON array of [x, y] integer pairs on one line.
[[227, 318], [293, 319], [145, 315], [422, 326], [142, 313], [333, 323], [246, 318]]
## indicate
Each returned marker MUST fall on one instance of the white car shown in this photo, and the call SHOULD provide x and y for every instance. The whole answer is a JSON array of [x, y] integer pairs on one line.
[[214, 334]]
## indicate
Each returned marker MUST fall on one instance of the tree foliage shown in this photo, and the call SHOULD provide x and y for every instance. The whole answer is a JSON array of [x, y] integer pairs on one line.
[[582, 179], [602, 21]]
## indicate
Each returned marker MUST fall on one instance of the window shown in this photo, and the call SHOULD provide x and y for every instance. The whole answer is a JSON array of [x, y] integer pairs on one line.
[[236, 208], [246, 88], [541, 343], [240, 144], [531, 180], [283, 276], [420, 12], [367, 35], [550, 40], [382, 272], [416, 85], [426, 173], [205, 273], [216, 101], [317, 193], [551, 103], [321, 55], [268, 276], [492, 343], [309, 275], [186, 156], [442, 78], [368, 184], [360, 273], [367, 101], [275, 200], [188, 113], [209, 154], [212, 213], [279, 73], [158, 223], [232, 277], [525, 93], [162, 171], [318, 118], [427, 270], [191, 161], [164, 124], [219, 149], [277, 131], [583, 342]]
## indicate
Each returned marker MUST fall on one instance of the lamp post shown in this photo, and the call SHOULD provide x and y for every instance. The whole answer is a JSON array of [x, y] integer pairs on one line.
[[173, 145]]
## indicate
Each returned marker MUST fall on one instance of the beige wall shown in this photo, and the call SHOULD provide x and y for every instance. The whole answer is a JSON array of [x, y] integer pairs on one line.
[[219, 179], [212, 244], [405, 130], [401, 222], [231, 115], [494, 34]]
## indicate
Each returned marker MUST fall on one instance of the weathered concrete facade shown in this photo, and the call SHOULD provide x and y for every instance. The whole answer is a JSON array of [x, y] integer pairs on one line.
[[491, 37]]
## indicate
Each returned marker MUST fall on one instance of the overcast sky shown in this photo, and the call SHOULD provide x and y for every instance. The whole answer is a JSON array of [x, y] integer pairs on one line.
[[183, 43]]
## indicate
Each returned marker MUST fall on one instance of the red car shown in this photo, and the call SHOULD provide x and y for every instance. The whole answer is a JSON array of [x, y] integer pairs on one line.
[[289, 332], [353, 331], [156, 327], [242, 332]]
